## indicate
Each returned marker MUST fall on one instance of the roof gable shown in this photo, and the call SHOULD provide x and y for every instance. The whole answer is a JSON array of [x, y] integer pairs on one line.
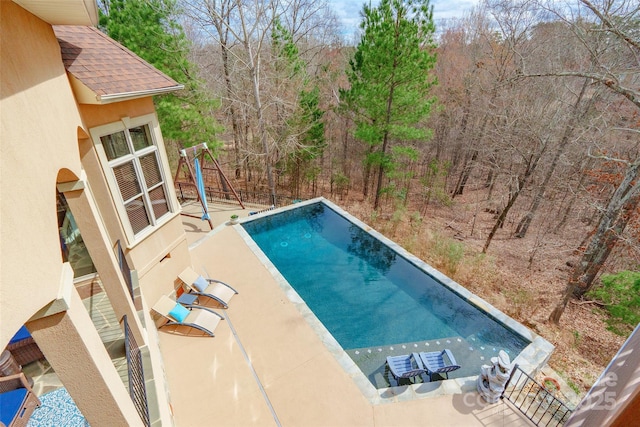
[[110, 71]]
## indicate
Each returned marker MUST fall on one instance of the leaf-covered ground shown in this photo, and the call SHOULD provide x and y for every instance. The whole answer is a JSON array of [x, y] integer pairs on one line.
[[523, 277]]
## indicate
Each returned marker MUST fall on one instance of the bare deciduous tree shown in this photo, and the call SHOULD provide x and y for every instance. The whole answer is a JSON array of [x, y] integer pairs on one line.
[[608, 31]]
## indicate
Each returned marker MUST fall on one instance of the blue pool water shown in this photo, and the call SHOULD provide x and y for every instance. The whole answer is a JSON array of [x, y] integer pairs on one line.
[[365, 293]]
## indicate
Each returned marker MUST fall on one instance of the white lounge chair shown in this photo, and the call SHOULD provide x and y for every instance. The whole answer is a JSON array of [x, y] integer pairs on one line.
[[197, 317], [210, 288]]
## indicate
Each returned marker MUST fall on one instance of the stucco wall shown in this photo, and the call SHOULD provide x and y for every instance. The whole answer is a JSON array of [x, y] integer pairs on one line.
[[97, 115], [39, 137], [170, 239]]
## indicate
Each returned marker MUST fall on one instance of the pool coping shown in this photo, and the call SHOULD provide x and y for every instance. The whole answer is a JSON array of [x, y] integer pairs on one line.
[[531, 359]]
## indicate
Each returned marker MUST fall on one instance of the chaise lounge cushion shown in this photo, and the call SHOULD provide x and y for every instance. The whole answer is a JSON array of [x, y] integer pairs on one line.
[[198, 319], [179, 312], [201, 284], [17, 400], [21, 335], [11, 404]]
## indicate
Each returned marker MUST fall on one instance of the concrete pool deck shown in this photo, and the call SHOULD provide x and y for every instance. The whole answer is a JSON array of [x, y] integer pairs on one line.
[[267, 364]]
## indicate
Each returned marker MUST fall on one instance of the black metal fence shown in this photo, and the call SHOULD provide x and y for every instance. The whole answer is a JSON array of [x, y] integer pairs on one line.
[[188, 192], [124, 268], [537, 403], [137, 387]]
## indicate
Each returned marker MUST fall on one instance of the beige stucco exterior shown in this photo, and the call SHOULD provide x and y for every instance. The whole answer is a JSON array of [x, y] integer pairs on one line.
[[144, 255], [39, 134], [47, 146]]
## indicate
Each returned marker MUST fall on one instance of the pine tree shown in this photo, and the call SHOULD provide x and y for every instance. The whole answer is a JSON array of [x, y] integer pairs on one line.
[[390, 78], [303, 127], [149, 29]]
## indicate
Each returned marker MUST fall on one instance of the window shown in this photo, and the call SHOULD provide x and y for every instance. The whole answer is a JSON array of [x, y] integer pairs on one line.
[[72, 246], [135, 167]]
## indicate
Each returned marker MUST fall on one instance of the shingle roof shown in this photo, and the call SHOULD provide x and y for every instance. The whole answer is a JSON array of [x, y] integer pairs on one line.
[[106, 67]]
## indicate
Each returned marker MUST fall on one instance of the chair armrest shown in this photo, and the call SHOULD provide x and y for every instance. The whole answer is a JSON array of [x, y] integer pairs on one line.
[[13, 382], [450, 356], [200, 307], [222, 283], [418, 360]]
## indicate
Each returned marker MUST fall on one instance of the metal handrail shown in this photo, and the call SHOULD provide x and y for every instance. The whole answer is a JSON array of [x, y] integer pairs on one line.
[[531, 398], [187, 191], [124, 268], [135, 371]]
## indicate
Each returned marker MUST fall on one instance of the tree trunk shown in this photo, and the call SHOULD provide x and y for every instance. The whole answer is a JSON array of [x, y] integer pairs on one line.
[[385, 139], [254, 64], [525, 222], [569, 205], [464, 176], [366, 178], [463, 134], [468, 167], [555, 315], [345, 148], [264, 141], [522, 182], [220, 21], [503, 215], [232, 111], [490, 176], [248, 166], [613, 222], [385, 142]]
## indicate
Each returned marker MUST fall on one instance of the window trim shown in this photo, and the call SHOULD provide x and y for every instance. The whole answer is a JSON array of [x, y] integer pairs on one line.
[[107, 166]]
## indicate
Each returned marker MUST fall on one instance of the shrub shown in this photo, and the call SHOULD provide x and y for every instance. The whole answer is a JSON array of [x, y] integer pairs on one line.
[[450, 254], [620, 295]]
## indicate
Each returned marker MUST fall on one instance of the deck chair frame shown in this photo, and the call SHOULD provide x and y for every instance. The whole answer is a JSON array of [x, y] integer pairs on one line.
[[166, 304], [406, 366], [188, 278], [435, 364]]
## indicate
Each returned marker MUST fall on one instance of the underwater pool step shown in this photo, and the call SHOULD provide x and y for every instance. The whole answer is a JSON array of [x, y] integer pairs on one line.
[[469, 354]]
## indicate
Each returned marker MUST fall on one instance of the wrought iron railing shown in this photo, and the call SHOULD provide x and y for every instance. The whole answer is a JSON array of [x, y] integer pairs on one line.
[[124, 268], [137, 386], [188, 191], [537, 403]]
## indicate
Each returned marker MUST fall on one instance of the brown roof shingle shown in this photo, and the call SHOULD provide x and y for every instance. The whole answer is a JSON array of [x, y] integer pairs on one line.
[[105, 66]]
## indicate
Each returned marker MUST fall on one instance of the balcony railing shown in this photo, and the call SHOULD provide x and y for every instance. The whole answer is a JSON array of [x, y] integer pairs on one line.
[[188, 192], [537, 403], [124, 268], [137, 387]]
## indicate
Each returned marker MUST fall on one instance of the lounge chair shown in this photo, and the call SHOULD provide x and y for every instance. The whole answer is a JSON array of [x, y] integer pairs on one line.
[[435, 363], [17, 400], [210, 288], [201, 318], [406, 366], [23, 348]]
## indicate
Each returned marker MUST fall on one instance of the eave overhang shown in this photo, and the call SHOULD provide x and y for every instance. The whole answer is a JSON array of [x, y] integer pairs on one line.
[[63, 12]]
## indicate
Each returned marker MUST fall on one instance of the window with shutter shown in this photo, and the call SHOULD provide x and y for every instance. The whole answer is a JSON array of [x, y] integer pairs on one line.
[[134, 162]]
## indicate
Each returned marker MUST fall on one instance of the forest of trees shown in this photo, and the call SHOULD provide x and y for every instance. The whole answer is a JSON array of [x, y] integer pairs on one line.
[[531, 105]]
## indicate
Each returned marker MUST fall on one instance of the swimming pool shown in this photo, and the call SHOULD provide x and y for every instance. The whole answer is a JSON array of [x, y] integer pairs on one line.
[[372, 298]]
